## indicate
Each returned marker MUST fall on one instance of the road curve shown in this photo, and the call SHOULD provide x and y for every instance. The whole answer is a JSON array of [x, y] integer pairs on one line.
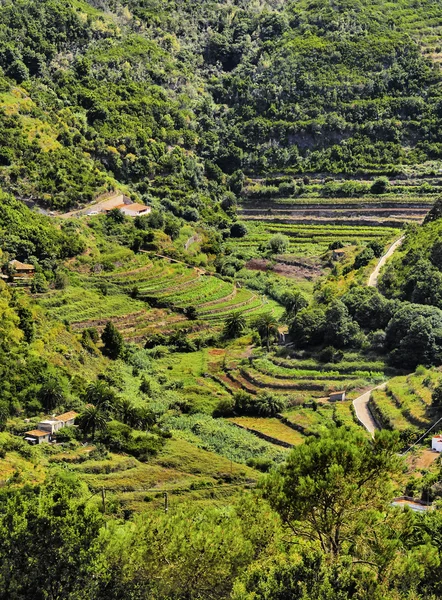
[[373, 279], [362, 411]]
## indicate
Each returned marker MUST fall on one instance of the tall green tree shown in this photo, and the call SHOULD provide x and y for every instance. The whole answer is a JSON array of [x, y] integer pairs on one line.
[[234, 325], [331, 489], [267, 327], [49, 540], [51, 393], [112, 340], [92, 419]]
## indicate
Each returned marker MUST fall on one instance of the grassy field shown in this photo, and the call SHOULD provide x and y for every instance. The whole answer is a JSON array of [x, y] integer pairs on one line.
[[182, 469], [270, 427]]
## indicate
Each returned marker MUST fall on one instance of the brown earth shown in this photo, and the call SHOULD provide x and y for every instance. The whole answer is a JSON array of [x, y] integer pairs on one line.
[[422, 460], [298, 271]]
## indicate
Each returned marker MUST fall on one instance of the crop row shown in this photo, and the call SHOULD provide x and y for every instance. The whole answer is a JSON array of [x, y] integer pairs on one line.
[[273, 370], [342, 367]]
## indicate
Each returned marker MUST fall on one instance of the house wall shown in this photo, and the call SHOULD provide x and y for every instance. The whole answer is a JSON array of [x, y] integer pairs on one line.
[[52, 427], [336, 397], [436, 444]]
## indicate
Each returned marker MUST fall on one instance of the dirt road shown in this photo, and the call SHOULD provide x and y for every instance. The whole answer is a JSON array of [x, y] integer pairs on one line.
[[373, 279]]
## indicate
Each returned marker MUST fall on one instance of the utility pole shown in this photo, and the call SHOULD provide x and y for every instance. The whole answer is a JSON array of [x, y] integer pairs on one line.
[[103, 499], [166, 502]]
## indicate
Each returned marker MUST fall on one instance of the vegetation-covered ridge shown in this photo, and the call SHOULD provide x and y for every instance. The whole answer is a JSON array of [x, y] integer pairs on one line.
[[168, 98], [215, 351]]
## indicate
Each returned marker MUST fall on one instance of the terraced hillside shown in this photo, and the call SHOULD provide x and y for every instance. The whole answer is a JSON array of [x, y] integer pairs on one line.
[[405, 403], [307, 240], [147, 295], [302, 380], [341, 202]]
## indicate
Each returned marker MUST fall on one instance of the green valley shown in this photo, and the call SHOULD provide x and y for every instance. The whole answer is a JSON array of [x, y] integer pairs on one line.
[[220, 299]]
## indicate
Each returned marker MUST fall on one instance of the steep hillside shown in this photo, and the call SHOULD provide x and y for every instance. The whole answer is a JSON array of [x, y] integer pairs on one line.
[[160, 97]]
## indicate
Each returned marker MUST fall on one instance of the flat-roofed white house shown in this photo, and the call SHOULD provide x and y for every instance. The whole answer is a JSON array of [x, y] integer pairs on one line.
[[436, 443], [51, 425]]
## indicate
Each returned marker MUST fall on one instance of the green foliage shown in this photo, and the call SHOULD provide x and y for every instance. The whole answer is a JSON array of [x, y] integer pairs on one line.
[[264, 404], [328, 485], [224, 438], [234, 325], [112, 340], [364, 257], [267, 327], [25, 234], [55, 518], [278, 244]]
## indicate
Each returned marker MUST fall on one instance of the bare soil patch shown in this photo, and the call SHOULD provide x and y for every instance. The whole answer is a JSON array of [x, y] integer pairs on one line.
[[293, 271], [423, 459]]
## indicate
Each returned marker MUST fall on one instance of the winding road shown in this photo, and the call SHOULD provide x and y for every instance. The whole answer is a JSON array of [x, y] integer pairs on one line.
[[373, 279], [361, 403], [363, 412]]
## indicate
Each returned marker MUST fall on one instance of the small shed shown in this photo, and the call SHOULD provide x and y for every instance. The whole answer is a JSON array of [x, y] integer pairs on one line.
[[338, 254], [22, 269], [66, 419], [50, 425], [436, 443], [36, 436], [337, 396]]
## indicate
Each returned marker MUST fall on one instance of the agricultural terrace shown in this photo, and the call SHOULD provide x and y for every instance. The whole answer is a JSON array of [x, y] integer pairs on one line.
[[379, 202], [301, 380], [405, 403], [306, 240], [149, 295]]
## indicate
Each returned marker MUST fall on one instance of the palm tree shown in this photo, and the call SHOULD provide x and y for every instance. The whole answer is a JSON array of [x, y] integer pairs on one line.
[[51, 393], [267, 327], [234, 325], [293, 302], [126, 411], [100, 395], [268, 405], [92, 419]]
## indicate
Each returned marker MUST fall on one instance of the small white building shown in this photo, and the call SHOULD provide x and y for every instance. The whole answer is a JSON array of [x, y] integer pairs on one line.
[[337, 396], [436, 443], [36, 436], [50, 425], [134, 209], [66, 419]]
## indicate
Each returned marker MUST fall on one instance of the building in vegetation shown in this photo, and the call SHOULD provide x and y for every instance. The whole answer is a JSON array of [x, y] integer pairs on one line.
[[436, 443], [338, 254], [337, 396], [134, 209], [121, 202], [67, 419], [46, 429], [37, 436], [18, 272], [50, 425]]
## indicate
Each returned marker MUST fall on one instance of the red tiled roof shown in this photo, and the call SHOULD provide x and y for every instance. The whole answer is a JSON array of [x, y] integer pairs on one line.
[[136, 207], [37, 433]]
